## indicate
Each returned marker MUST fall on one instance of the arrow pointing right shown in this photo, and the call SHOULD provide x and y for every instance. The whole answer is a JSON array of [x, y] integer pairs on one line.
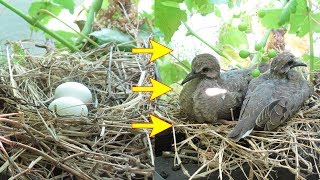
[[157, 126]]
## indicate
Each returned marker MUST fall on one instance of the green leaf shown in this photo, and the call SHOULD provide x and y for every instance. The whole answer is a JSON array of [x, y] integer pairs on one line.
[[234, 60], [268, 20], [44, 18], [203, 7], [315, 22], [189, 4], [171, 4], [172, 72], [299, 24], [111, 35], [230, 35], [107, 35], [70, 37], [217, 12], [289, 9], [168, 19], [105, 5], [316, 60], [67, 4]]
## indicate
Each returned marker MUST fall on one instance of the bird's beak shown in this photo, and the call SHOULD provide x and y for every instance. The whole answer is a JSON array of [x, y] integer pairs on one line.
[[190, 76], [297, 63]]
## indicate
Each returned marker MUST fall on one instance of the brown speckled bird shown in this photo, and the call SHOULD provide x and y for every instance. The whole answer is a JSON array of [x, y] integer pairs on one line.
[[209, 95], [273, 98]]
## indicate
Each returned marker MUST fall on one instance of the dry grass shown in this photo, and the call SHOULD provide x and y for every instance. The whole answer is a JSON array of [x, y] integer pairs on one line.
[[37, 144], [295, 146]]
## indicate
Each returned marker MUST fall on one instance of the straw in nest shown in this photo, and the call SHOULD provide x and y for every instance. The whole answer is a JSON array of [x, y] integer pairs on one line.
[[37, 144]]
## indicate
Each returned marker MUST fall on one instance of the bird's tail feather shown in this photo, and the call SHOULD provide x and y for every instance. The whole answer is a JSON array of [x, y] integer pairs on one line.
[[239, 131]]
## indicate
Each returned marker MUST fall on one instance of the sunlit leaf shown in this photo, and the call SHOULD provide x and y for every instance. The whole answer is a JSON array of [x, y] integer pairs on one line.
[[290, 8], [168, 19], [235, 60], [269, 20], [43, 18], [230, 35], [315, 22], [171, 4], [316, 60], [203, 7], [217, 12], [68, 36], [173, 72], [67, 4]]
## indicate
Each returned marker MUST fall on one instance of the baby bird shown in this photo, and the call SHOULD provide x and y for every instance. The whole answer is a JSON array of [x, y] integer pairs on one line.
[[209, 95], [273, 98]]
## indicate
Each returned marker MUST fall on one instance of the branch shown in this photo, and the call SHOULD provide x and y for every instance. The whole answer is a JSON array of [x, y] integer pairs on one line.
[[34, 22]]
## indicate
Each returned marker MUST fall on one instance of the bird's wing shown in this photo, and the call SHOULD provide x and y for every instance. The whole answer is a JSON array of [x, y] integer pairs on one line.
[[254, 103], [274, 114], [263, 79], [289, 98]]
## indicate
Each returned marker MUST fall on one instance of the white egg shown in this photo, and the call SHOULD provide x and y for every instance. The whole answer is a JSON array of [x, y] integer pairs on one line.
[[69, 106], [73, 89]]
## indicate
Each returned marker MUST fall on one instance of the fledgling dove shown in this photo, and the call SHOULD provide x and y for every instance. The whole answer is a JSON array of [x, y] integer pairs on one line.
[[273, 98], [209, 95]]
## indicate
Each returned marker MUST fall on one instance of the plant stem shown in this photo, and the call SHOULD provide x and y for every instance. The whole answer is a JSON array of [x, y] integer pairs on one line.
[[80, 34], [263, 42], [35, 23], [311, 62], [191, 32], [266, 36], [93, 10]]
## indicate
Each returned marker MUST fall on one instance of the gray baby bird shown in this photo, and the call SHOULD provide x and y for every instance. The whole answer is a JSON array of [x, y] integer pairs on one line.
[[273, 98], [209, 95]]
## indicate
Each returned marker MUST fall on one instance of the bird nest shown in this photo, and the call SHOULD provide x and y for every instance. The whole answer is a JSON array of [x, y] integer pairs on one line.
[[294, 147], [37, 144]]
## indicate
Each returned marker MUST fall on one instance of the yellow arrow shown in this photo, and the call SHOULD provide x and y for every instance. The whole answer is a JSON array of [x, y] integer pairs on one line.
[[157, 125], [157, 50], [157, 89]]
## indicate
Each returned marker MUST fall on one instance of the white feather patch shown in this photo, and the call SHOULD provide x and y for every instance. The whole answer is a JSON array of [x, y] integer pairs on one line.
[[215, 91], [246, 134]]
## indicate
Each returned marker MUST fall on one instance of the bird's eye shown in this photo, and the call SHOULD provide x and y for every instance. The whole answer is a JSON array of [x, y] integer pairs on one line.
[[290, 63], [205, 70]]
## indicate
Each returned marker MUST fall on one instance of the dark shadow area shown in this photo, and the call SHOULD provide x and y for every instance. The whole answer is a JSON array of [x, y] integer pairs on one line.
[[165, 170]]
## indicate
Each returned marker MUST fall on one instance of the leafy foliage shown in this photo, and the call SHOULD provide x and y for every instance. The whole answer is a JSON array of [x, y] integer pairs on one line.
[[233, 37], [269, 19], [107, 35], [43, 18], [295, 13], [290, 8], [67, 4], [203, 7], [306, 59], [70, 37], [172, 72], [168, 17]]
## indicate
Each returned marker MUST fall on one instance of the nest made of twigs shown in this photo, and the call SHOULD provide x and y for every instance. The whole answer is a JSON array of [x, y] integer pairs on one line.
[[295, 146], [37, 144]]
